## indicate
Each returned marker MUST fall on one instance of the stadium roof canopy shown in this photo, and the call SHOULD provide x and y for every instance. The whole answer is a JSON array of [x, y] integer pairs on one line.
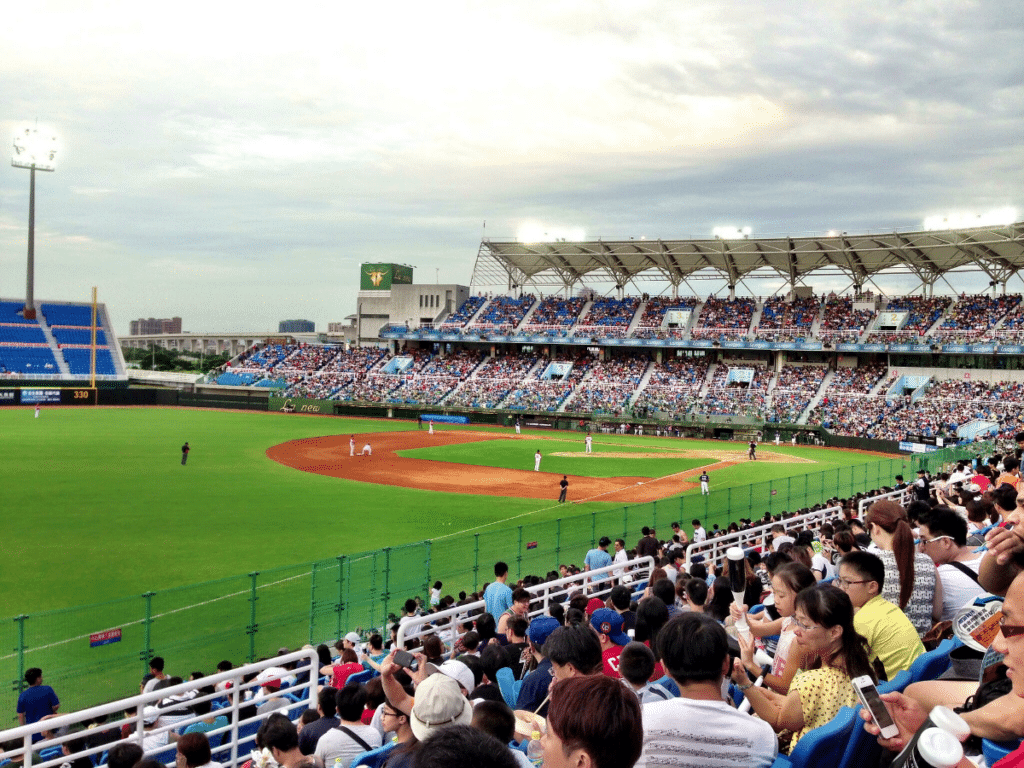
[[929, 255]]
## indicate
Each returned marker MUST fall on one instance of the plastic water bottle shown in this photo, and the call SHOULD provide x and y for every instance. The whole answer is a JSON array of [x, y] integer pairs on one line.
[[535, 750]]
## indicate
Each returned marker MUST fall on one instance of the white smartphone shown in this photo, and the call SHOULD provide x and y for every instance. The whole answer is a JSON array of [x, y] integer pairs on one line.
[[868, 695]]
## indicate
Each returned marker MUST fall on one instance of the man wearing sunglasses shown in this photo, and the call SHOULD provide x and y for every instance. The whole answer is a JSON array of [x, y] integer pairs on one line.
[[997, 720], [943, 537]]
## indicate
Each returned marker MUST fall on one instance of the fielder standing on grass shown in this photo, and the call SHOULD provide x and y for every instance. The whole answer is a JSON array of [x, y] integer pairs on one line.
[[589, 443], [704, 480], [564, 485], [184, 453], [536, 461]]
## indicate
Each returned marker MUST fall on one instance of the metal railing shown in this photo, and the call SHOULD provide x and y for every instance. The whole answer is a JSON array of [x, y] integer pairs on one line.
[[901, 497], [713, 549], [226, 752], [599, 581]]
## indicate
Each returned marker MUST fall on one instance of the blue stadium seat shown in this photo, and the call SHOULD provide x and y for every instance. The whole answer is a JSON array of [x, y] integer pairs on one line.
[[782, 762], [862, 748], [375, 757], [928, 666], [825, 745], [669, 685], [995, 751], [898, 683], [506, 683], [362, 677]]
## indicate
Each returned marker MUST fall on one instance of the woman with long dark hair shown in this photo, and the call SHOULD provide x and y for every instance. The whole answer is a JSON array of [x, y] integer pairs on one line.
[[833, 654], [910, 576]]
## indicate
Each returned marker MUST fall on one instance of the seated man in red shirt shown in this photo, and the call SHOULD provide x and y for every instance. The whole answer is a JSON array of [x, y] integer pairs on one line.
[[608, 625]]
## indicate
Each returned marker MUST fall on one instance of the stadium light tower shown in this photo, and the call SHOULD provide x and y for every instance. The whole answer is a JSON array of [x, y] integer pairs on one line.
[[35, 150]]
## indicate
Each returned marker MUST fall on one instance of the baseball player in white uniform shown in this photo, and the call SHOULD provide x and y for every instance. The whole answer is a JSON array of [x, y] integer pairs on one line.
[[367, 450], [352, 445], [536, 461], [431, 430], [589, 442]]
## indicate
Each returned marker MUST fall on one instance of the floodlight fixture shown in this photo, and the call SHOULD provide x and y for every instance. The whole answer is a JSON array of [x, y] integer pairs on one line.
[[998, 217], [34, 149], [731, 233]]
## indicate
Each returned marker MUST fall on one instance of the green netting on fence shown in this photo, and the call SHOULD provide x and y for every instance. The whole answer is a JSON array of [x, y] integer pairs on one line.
[[247, 617]]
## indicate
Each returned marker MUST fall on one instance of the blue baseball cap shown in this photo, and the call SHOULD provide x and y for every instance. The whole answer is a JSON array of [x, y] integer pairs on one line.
[[540, 629], [609, 622]]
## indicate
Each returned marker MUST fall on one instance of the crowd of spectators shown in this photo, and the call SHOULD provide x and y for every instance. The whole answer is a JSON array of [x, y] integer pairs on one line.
[[506, 312], [783, 320], [611, 312], [976, 314], [463, 314], [840, 324], [857, 380], [796, 387], [724, 318], [556, 311], [653, 316], [923, 311]]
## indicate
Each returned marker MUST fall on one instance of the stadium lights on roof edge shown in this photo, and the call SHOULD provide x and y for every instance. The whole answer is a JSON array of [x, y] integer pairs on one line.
[[731, 233], [35, 147], [999, 217], [538, 233]]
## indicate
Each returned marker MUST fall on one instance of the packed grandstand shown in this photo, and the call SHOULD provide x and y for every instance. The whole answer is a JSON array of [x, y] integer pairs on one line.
[[807, 361]]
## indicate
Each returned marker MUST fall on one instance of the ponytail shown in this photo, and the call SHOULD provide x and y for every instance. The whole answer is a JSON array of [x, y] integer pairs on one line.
[[892, 519]]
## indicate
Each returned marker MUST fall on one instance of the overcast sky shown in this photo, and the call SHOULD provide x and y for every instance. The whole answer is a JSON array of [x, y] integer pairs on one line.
[[234, 163]]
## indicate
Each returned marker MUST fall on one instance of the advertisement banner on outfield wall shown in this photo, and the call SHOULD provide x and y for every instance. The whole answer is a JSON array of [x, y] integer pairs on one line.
[[444, 418], [8, 397], [300, 405]]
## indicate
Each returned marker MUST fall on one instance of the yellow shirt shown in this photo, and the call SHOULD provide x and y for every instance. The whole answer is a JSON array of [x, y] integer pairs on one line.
[[891, 637], [823, 692]]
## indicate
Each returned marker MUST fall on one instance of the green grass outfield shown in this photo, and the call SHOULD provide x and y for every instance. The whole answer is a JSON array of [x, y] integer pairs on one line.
[[96, 506]]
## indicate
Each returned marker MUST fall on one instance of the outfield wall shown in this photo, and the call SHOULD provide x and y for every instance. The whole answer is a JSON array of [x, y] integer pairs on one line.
[[95, 652]]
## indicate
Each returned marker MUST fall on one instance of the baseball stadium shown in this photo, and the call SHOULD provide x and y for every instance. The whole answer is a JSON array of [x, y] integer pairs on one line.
[[435, 438]]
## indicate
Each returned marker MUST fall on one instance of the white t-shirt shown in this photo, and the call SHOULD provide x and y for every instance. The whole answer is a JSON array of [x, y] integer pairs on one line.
[[711, 734], [820, 563], [620, 557], [958, 589], [335, 744], [699, 534]]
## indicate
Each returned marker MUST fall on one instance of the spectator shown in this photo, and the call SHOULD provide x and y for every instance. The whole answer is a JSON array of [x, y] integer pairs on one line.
[[943, 537], [351, 737], [910, 580], [573, 651], [592, 723], [519, 609], [891, 638], [326, 706], [636, 665], [608, 625], [824, 621], [124, 755], [461, 745], [194, 751], [349, 665], [689, 729], [37, 701], [534, 690], [498, 595], [497, 719]]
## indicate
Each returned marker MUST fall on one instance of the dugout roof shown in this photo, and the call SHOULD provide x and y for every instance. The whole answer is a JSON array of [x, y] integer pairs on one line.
[[997, 251]]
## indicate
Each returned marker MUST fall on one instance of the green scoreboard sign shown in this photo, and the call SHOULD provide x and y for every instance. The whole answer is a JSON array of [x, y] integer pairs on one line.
[[380, 277]]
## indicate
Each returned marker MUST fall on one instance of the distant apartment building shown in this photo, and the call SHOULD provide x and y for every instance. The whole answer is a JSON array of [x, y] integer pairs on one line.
[[296, 326], [152, 326]]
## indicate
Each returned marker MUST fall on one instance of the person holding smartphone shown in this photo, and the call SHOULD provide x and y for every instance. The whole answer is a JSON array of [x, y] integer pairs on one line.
[[909, 715]]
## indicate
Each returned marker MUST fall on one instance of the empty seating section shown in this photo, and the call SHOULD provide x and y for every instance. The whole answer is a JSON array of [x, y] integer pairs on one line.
[[80, 361], [81, 336], [27, 360], [25, 348]]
